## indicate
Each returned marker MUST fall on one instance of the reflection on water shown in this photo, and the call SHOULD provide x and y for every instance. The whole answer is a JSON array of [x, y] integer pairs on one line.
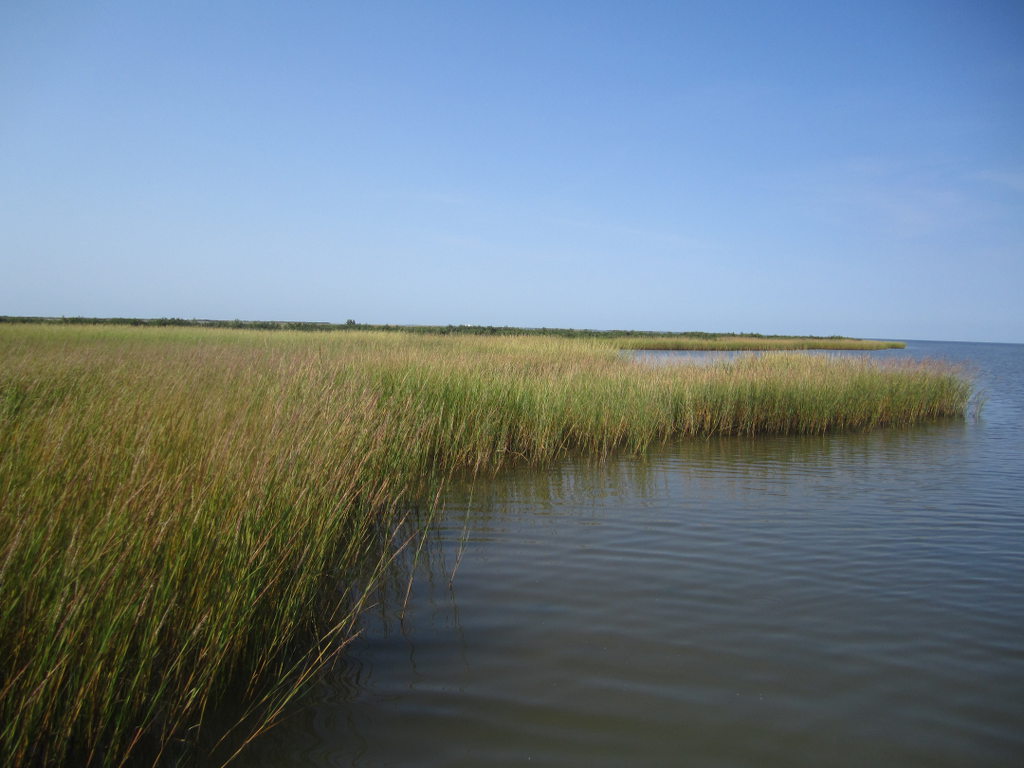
[[837, 600]]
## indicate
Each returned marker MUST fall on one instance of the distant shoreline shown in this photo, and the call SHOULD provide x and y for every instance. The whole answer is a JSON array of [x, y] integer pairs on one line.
[[627, 339]]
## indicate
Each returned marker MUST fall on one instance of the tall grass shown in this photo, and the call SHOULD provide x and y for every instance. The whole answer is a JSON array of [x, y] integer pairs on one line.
[[187, 512]]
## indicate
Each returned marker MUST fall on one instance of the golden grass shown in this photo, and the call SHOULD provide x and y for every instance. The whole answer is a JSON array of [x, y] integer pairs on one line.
[[181, 509], [751, 343]]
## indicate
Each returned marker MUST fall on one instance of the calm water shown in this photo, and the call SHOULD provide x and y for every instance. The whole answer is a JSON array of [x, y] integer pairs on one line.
[[845, 600]]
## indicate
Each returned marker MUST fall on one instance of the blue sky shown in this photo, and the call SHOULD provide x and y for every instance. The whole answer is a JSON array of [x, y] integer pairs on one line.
[[851, 168]]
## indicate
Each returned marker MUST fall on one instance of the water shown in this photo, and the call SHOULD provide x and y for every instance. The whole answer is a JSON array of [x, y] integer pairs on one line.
[[841, 600]]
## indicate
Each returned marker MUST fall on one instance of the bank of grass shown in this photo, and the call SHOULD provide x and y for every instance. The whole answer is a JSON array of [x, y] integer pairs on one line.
[[739, 342], [698, 340], [186, 512]]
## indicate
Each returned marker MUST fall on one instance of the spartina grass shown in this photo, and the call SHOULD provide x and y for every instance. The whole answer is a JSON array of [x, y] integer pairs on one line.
[[185, 509], [737, 342]]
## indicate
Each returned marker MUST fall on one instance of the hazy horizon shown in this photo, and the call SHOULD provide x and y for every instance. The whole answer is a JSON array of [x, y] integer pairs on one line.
[[724, 167]]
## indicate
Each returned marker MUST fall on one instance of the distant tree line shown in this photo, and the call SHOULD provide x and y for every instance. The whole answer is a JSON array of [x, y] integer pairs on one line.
[[352, 325]]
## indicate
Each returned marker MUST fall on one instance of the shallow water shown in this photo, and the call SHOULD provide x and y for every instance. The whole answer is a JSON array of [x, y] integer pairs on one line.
[[839, 600]]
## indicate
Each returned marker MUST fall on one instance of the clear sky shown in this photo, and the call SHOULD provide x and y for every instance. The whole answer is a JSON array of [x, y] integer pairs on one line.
[[821, 167]]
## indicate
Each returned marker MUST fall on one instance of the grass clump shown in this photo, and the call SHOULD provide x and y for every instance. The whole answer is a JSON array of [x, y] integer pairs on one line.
[[742, 342], [186, 512]]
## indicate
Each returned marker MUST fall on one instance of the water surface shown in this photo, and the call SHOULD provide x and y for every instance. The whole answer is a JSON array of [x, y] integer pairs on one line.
[[841, 600]]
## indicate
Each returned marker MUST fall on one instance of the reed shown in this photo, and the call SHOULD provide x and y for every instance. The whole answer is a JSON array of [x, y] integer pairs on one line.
[[191, 513]]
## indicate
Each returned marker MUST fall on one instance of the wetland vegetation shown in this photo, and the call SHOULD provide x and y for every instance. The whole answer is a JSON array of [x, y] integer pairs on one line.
[[186, 511], [697, 340]]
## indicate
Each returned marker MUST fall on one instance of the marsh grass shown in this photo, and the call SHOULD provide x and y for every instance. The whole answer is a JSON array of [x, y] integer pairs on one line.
[[186, 512], [624, 339], [732, 342]]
